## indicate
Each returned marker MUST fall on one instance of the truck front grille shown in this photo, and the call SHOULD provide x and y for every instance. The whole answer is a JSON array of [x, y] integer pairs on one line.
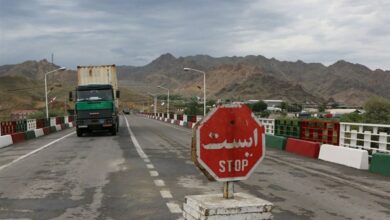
[[90, 114]]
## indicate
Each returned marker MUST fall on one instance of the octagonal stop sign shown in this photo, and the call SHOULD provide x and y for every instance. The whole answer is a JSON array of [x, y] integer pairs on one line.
[[229, 143]]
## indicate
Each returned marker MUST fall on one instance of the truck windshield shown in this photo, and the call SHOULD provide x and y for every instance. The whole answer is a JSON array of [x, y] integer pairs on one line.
[[96, 94]]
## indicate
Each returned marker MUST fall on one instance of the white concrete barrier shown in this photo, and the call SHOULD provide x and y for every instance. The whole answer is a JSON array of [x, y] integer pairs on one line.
[[70, 124], [181, 123], [5, 140], [52, 121], [350, 157], [58, 127], [38, 132]]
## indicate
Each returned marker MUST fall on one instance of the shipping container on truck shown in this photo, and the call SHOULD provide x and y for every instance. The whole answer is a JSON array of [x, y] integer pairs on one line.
[[97, 99]]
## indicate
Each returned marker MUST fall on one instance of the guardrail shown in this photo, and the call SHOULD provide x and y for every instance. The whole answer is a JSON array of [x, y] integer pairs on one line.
[[371, 137], [348, 144], [269, 125], [11, 127]]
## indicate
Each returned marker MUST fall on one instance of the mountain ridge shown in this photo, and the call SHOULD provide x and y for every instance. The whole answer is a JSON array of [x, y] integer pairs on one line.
[[237, 77]]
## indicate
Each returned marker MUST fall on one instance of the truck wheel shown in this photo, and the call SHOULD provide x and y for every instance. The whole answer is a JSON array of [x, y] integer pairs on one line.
[[79, 132], [113, 130]]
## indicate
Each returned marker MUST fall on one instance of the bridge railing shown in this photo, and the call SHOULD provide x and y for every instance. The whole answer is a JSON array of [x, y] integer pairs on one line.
[[372, 137], [11, 127]]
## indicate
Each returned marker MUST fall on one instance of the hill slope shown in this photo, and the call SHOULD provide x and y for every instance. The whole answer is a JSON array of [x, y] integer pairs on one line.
[[257, 77], [250, 77]]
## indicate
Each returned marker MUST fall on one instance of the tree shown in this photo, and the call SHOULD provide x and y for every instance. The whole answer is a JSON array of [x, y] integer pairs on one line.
[[193, 108], [322, 107], [258, 106], [284, 106], [377, 110], [211, 103], [352, 117]]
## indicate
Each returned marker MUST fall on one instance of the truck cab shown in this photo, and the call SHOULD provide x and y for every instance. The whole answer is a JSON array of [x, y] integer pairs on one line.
[[95, 108], [97, 99]]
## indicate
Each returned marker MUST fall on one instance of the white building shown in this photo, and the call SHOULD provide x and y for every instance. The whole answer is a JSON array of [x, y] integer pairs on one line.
[[273, 102]]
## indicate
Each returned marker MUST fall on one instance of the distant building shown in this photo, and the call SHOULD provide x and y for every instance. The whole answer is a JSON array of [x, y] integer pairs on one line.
[[274, 109], [21, 114], [273, 103], [343, 111]]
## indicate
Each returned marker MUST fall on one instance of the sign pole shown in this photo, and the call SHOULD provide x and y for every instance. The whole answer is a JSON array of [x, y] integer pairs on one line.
[[228, 190]]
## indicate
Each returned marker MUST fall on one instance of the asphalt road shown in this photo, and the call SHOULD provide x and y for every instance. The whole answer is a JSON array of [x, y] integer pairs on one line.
[[147, 176]]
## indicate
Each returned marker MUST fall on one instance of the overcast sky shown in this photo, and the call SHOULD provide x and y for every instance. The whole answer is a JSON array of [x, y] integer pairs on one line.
[[126, 32]]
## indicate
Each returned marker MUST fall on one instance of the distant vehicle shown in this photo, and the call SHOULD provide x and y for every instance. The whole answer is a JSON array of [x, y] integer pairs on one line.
[[96, 99], [304, 114], [126, 111]]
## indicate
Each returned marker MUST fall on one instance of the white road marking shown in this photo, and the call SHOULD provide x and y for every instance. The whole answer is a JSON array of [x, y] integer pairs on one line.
[[159, 183], [173, 207], [135, 142], [153, 173], [35, 151], [189, 162], [150, 166], [166, 194], [147, 160]]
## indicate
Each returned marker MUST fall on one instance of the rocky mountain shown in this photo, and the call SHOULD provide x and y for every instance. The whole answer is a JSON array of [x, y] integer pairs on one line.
[[35, 70], [235, 78], [257, 77]]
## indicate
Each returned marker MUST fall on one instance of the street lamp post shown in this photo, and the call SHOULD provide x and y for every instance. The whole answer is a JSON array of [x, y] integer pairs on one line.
[[155, 103], [47, 108], [204, 86], [168, 98]]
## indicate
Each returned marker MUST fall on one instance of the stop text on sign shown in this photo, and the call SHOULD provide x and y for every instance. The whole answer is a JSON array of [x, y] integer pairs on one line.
[[229, 143]]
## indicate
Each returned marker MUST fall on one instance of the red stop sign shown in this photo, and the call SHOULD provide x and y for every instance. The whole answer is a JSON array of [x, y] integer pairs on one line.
[[230, 143]]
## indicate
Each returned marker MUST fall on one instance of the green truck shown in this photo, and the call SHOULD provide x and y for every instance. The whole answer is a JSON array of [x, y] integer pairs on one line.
[[96, 99]]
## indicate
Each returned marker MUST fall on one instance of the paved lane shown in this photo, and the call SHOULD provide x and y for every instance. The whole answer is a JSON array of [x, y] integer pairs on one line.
[[93, 177], [301, 188], [108, 177]]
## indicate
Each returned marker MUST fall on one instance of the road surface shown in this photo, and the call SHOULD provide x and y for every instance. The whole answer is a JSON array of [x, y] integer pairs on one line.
[[145, 172]]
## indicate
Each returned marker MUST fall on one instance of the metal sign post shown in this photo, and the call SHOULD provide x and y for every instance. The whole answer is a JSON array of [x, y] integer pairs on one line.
[[228, 190]]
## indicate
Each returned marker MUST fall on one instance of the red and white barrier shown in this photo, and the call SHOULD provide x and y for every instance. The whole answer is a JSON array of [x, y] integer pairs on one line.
[[303, 148]]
